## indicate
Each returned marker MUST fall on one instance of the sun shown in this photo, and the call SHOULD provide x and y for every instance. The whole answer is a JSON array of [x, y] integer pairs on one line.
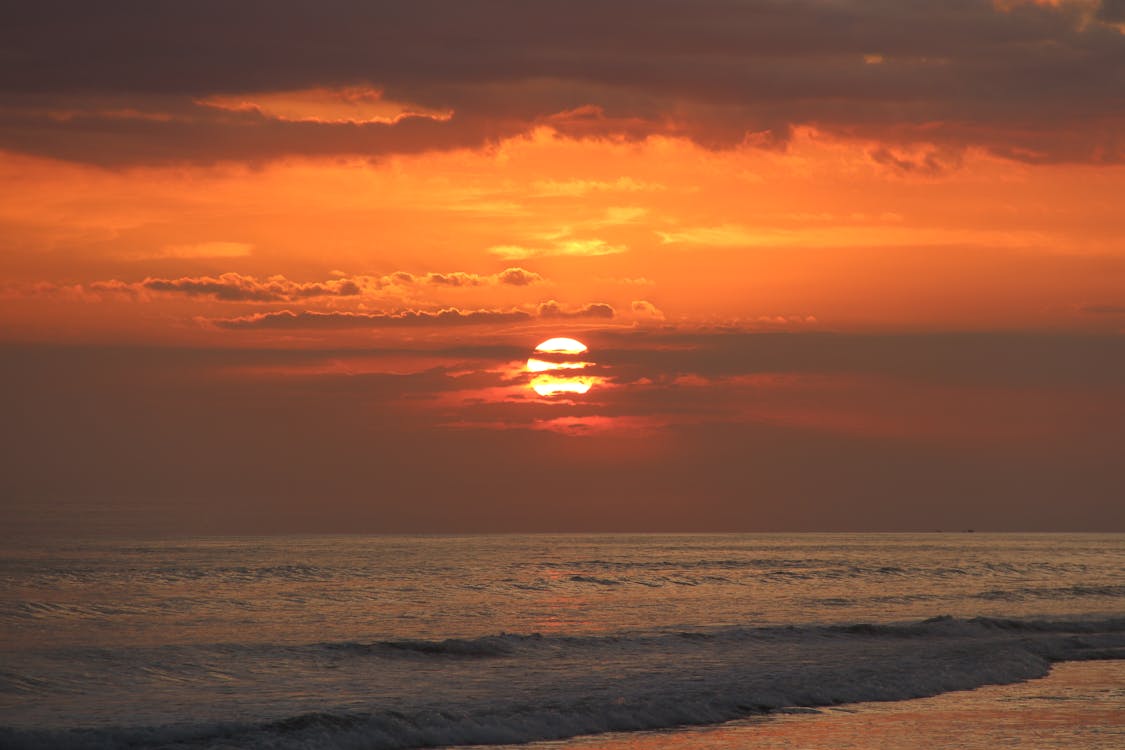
[[561, 346], [553, 362]]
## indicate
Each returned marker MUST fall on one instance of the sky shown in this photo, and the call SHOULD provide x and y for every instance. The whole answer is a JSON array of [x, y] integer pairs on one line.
[[278, 267]]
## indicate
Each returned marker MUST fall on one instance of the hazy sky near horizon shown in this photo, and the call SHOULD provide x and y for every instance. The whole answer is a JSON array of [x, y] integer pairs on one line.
[[278, 267]]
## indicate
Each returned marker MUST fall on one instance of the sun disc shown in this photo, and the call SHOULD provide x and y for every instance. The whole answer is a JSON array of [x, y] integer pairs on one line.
[[561, 346], [538, 365], [555, 365], [549, 386]]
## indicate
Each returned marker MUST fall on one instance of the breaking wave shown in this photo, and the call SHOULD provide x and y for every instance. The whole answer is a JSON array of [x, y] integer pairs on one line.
[[634, 682]]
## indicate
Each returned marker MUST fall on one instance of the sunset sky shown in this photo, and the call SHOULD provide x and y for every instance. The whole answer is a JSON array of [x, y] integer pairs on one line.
[[840, 264]]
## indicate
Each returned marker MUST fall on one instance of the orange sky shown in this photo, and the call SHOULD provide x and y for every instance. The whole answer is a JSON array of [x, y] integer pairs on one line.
[[819, 235], [924, 199]]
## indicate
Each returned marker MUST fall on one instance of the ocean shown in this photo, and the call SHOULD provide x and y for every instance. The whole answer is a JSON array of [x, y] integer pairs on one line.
[[435, 641]]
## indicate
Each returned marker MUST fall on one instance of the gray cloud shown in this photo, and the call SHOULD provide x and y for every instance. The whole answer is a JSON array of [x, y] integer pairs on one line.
[[235, 287], [311, 319], [287, 319], [930, 163], [1030, 82], [1103, 309], [552, 309], [1031, 360], [357, 452], [510, 276], [1112, 11]]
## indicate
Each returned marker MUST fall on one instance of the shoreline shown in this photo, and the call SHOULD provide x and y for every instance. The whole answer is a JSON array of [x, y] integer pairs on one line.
[[1078, 705], [376, 643], [623, 723]]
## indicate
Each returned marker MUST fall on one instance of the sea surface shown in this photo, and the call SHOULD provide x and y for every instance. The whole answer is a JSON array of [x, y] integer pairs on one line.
[[399, 642]]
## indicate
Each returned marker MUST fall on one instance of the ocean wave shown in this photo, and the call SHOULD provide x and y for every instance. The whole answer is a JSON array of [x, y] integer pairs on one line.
[[1019, 594], [1055, 592], [595, 579], [652, 681], [484, 647], [813, 567]]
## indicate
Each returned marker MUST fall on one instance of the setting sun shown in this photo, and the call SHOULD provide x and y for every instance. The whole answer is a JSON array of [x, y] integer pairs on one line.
[[558, 354], [549, 385], [561, 346]]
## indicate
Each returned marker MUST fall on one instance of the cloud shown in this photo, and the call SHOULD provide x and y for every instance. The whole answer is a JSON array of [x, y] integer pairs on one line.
[[726, 235], [112, 85], [208, 136], [287, 319], [551, 309], [518, 277], [1103, 309], [1016, 360], [929, 163], [356, 104], [579, 247], [17, 290], [342, 433], [784, 321], [626, 280], [888, 233], [645, 309], [509, 276], [578, 188], [233, 287], [236, 287], [311, 319], [1113, 12]]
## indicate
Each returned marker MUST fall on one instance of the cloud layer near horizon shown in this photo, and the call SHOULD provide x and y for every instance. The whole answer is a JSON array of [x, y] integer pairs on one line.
[[236, 287], [451, 316], [689, 432], [137, 82]]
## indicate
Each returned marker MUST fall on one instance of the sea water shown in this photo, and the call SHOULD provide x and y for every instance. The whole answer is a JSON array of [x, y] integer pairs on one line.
[[397, 642], [1079, 706]]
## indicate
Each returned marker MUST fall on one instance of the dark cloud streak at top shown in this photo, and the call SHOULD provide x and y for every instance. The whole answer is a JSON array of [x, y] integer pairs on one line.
[[1033, 82]]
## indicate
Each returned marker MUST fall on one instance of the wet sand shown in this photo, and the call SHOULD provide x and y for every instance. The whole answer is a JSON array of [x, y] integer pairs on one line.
[[1079, 706]]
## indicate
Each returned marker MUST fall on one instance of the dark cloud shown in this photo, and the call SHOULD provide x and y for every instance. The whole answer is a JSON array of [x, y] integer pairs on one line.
[[112, 286], [552, 309], [190, 441], [1103, 309], [930, 163], [1112, 11], [241, 136], [510, 276], [312, 319], [1019, 360], [287, 319], [1025, 80], [236, 287], [453, 279], [233, 287]]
